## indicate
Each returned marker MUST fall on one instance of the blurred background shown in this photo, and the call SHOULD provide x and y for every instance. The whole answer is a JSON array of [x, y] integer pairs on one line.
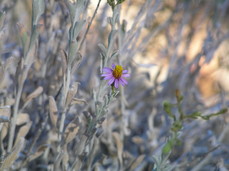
[[165, 45]]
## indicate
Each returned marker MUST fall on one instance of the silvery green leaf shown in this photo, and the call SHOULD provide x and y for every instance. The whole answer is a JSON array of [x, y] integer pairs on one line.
[[72, 53], [38, 9], [23, 36], [76, 62], [102, 56], [111, 38], [115, 16], [161, 163], [80, 7], [106, 100], [99, 103], [34, 36], [102, 63], [115, 93], [76, 29], [102, 48], [2, 19], [29, 54], [75, 9], [72, 9], [115, 54]]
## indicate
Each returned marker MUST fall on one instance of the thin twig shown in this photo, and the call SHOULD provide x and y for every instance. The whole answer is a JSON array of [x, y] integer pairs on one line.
[[89, 25], [14, 118], [208, 156]]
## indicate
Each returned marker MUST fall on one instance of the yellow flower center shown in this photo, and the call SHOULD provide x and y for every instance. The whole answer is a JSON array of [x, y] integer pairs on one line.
[[117, 72]]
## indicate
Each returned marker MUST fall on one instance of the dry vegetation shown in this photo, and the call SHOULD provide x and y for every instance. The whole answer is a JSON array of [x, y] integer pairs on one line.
[[57, 113]]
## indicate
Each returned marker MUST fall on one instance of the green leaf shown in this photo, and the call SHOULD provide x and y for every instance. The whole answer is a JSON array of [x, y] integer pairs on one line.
[[167, 148], [176, 126], [222, 111], [207, 117], [167, 107], [193, 115], [120, 1], [179, 96], [111, 3]]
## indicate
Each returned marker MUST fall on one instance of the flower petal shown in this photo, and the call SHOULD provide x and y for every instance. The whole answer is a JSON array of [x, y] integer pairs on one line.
[[113, 66], [123, 80], [108, 77], [108, 70], [107, 74], [125, 71], [125, 75], [116, 83], [111, 81]]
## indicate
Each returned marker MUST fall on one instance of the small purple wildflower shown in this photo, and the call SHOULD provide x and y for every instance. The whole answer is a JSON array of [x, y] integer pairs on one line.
[[115, 75]]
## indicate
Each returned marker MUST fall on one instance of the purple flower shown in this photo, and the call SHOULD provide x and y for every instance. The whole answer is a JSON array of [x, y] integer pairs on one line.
[[115, 75]]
